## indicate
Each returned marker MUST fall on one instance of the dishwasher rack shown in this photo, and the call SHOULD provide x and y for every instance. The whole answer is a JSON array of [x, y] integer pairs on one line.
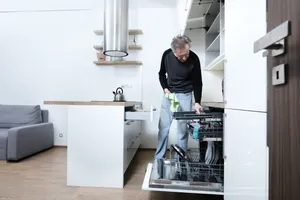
[[202, 166], [199, 168], [195, 171], [205, 126]]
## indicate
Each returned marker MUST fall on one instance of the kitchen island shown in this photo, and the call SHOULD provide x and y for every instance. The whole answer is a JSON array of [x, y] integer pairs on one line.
[[103, 137]]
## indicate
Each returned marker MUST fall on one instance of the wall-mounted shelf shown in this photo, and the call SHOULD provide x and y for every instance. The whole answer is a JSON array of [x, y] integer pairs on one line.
[[118, 63], [213, 9], [215, 45], [101, 61], [130, 47], [215, 37], [131, 32], [217, 64], [215, 26]]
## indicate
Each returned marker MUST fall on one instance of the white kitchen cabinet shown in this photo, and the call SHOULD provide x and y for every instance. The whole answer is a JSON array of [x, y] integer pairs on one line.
[[245, 154], [245, 84], [102, 142], [132, 141]]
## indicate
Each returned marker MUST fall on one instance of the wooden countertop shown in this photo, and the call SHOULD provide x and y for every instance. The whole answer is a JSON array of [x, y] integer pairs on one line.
[[93, 103], [112, 103], [213, 104]]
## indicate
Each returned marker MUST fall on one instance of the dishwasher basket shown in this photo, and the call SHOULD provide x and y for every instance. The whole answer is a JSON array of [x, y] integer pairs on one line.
[[195, 173], [205, 127], [203, 165]]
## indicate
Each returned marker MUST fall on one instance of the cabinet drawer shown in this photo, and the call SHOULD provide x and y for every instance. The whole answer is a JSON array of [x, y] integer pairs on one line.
[[135, 142], [128, 127], [131, 130], [130, 151], [137, 128], [140, 114]]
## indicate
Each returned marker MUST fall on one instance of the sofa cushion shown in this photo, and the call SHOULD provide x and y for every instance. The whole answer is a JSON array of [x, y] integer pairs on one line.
[[3, 133], [3, 143], [18, 115]]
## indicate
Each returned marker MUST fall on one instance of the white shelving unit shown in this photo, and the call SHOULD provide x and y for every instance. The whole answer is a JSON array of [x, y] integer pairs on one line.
[[215, 35], [214, 45]]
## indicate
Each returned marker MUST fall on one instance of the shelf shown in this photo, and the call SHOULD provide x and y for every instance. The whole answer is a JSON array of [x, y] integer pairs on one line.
[[131, 32], [215, 26], [217, 64], [213, 9], [215, 45], [215, 37], [118, 63], [130, 47]]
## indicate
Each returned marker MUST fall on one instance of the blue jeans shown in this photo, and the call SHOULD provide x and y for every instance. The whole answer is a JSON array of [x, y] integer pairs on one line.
[[165, 121]]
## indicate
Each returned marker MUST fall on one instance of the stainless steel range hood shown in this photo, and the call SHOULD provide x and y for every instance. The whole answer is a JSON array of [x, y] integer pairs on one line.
[[115, 28]]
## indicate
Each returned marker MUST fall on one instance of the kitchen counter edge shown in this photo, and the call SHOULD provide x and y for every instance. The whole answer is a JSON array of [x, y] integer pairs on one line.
[[93, 103]]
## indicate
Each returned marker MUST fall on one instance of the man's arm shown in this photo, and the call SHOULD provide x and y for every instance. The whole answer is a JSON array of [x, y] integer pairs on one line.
[[197, 80], [162, 72]]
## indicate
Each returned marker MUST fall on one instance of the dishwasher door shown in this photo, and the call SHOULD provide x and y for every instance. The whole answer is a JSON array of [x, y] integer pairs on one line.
[[184, 177]]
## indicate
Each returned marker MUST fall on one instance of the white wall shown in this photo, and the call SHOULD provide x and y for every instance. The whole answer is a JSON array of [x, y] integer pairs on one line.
[[47, 54]]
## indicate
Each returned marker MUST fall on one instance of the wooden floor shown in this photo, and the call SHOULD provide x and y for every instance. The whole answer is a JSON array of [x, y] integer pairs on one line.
[[43, 177]]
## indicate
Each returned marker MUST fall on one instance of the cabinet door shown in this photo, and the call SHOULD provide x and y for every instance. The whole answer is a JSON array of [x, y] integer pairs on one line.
[[245, 154], [245, 83]]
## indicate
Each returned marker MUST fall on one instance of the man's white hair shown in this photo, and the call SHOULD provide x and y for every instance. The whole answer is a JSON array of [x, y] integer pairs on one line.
[[179, 42]]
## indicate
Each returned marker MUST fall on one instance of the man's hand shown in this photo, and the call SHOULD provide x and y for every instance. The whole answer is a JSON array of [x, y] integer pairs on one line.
[[198, 108], [167, 91]]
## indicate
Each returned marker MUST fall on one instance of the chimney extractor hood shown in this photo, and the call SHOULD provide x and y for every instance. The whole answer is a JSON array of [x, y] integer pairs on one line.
[[115, 28]]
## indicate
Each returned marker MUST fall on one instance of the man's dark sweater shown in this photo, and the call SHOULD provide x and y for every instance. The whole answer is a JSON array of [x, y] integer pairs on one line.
[[182, 77]]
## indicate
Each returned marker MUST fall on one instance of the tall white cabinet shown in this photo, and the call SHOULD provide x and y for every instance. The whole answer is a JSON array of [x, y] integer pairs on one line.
[[245, 96], [245, 72]]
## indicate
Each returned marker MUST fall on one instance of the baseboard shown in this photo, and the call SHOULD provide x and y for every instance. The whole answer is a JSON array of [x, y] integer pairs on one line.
[[60, 146]]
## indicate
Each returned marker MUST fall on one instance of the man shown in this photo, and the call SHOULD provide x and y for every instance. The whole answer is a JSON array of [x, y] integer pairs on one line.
[[182, 67]]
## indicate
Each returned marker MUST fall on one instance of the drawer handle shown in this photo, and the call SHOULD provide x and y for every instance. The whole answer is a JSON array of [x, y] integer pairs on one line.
[[274, 40]]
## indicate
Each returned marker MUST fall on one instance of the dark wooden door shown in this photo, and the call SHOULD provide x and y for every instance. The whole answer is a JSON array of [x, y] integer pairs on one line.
[[283, 113]]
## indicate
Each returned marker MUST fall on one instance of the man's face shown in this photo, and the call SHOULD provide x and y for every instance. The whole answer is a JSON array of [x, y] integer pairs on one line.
[[183, 54]]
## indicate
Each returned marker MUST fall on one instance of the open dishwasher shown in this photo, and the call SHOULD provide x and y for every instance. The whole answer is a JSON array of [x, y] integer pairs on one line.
[[198, 170]]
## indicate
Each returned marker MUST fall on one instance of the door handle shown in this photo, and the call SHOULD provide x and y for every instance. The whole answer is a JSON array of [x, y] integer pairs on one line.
[[274, 41]]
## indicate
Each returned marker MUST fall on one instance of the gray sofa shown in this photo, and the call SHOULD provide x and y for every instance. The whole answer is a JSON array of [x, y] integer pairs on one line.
[[24, 131]]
